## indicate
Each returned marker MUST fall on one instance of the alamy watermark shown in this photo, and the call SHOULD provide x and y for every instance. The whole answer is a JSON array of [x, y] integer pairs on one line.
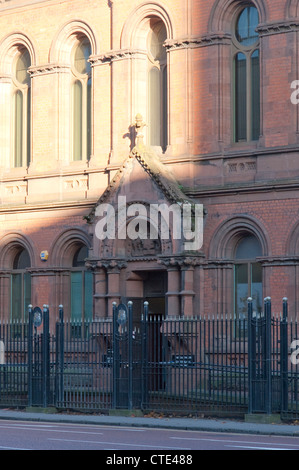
[[179, 221], [295, 94], [295, 354]]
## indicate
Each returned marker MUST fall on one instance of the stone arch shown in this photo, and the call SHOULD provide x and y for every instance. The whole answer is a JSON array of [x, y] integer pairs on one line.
[[292, 9], [10, 245], [8, 47], [67, 244], [228, 234], [65, 39], [133, 33], [223, 11], [292, 245]]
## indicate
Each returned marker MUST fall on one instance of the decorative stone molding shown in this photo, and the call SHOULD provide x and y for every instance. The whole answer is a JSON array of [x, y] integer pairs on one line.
[[240, 167], [194, 42], [268, 29], [181, 261], [114, 55], [48, 69], [14, 189], [5, 78], [112, 264], [76, 183]]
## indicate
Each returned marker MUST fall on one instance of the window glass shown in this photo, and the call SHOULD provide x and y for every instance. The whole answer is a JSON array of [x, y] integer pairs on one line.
[[22, 260], [248, 248], [246, 26], [246, 68], [255, 94], [18, 128], [241, 287], [81, 56], [240, 97], [80, 256], [157, 85], [22, 65], [77, 122], [82, 100], [157, 37], [81, 292], [248, 276], [20, 286], [21, 109]]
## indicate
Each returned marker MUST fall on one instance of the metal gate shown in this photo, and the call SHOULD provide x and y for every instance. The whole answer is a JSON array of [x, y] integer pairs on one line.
[[38, 357], [128, 343], [267, 360]]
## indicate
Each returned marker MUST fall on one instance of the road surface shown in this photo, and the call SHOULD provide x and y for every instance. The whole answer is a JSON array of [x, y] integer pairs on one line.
[[27, 435]]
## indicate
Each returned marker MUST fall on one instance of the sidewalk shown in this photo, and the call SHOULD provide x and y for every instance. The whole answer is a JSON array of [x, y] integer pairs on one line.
[[190, 424]]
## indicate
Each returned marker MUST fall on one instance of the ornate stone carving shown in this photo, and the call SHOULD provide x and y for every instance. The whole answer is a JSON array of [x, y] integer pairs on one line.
[[139, 126], [140, 247], [202, 41], [114, 55], [47, 69], [268, 29]]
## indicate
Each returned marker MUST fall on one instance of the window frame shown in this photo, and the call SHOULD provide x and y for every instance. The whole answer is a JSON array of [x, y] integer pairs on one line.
[[248, 51], [160, 64], [249, 262], [24, 276], [86, 295], [86, 81], [24, 89]]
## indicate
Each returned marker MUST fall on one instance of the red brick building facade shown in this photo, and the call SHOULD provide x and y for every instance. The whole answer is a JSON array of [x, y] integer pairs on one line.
[[215, 82]]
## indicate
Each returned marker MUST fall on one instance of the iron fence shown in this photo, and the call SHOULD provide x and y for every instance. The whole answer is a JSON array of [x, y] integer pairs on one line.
[[202, 365]]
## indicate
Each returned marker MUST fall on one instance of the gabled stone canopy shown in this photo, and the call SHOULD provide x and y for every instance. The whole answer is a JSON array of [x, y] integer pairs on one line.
[[159, 174]]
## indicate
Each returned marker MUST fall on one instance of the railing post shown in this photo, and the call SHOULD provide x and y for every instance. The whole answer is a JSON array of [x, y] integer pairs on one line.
[[268, 354], [144, 386], [115, 357], [30, 353], [251, 353], [284, 356], [60, 356], [45, 357], [130, 394]]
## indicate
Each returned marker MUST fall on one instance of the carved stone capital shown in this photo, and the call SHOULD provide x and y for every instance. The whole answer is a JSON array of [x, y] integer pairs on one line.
[[113, 265], [183, 262]]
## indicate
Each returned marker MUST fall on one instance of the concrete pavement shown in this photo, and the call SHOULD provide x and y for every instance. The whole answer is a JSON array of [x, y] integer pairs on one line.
[[192, 424]]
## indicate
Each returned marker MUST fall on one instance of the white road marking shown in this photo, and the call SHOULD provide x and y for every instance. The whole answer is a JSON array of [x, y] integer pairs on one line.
[[258, 448], [120, 444], [12, 448], [240, 442], [53, 429]]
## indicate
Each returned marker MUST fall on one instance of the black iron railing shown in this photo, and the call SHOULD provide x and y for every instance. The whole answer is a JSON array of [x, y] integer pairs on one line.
[[200, 365]]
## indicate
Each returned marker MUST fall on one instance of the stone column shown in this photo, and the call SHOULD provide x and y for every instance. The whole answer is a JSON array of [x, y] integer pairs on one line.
[[187, 293], [173, 291], [113, 282], [100, 291]]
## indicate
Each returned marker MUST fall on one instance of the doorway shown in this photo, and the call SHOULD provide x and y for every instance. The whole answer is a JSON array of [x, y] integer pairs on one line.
[[155, 288]]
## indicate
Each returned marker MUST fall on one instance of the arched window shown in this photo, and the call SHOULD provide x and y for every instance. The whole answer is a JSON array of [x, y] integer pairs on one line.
[[21, 109], [81, 290], [81, 100], [246, 69], [157, 84], [248, 276], [20, 286]]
